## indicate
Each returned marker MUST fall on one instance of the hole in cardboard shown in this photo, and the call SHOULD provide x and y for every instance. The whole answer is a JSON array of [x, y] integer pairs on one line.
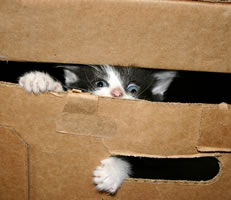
[[187, 87], [177, 169]]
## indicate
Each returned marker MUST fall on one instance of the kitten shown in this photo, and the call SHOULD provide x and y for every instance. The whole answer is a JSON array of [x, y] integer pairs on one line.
[[109, 81]]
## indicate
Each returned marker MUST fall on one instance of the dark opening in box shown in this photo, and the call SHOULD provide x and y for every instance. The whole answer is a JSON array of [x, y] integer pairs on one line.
[[177, 169], [187, 87]]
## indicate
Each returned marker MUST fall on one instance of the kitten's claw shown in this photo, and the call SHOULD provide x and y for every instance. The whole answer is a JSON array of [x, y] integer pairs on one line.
[[39, 82], [109, 176]]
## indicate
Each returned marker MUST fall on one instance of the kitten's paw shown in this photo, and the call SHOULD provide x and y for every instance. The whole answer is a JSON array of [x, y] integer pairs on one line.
[[39, 82], [109, 176]]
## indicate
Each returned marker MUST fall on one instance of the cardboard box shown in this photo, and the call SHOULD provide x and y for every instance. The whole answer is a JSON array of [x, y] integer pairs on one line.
[[159, 33], [51, 143]]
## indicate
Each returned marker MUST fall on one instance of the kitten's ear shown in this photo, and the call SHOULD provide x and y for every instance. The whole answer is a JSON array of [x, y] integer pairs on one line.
[[163, 81], [70, 74], [70, 77]]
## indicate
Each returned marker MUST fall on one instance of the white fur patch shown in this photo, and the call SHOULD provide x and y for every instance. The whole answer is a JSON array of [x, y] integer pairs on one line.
[[164, 79], [109, 176], [70, 77], [114, 81], [37, 82]]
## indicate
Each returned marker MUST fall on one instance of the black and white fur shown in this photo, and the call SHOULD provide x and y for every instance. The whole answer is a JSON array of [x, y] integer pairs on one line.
[[109, 81]]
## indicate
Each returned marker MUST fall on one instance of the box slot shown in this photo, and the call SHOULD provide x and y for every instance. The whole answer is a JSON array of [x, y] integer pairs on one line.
[[188, 87], [176, 169]]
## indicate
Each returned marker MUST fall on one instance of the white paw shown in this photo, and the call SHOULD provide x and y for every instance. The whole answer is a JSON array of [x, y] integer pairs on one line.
[[109, 176], [39, 82]]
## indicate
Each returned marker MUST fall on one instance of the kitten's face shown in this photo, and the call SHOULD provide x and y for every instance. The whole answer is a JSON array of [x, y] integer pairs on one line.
[[110, 82], [119, 82]]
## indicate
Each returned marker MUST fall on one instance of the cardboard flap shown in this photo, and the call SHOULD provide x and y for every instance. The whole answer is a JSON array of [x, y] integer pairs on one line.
[[215, 133], [147, 128], [153, 128], [80, 116], [132, 126], [104, 32], [13, 165]]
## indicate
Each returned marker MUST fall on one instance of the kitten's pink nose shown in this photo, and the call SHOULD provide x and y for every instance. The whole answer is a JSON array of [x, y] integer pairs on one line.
[[117, 92]]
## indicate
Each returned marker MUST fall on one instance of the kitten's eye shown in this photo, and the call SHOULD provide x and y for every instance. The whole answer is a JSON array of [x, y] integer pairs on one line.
[[101, 83], [133, 88]]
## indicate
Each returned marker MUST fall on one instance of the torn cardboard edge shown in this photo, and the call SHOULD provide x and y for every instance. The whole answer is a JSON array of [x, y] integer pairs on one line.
[[56, 94], [83, 107], [210, 169], [179, 182], [205, 149], [42, 162], [8, 84], [150, 180], [198, 155]]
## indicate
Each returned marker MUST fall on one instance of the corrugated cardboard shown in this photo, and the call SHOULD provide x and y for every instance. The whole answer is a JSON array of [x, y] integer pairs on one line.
[[149, 33], [44, 157], [14, 172], [51, 143]]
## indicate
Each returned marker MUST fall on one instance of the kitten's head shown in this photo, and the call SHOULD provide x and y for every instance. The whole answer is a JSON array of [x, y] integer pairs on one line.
[[119, 82]]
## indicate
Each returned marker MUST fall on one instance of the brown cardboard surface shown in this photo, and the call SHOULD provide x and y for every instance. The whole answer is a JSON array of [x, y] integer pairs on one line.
[[147, 124], [14, 165], [215, 130], [84, 108], [52, 157], [51, 143], [188, 35], [61, 164]]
